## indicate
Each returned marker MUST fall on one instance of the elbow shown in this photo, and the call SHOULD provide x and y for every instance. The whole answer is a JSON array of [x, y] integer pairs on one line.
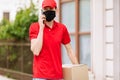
[[31, 48], [36, 53]]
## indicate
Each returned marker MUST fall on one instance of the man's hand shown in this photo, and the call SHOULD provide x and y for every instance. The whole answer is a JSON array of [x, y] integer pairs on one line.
[[42, 20], [36, 44]]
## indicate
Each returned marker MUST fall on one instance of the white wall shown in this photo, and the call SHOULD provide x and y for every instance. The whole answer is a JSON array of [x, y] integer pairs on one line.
[[97, 20], [13, 6], [108, 40], [116, 22], [102, 39]]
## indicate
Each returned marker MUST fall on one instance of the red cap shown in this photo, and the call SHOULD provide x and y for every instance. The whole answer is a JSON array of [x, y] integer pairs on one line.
[[50, 3]]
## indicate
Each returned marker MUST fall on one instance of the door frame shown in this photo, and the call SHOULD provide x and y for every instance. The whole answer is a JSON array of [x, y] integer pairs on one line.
[[116, 4]]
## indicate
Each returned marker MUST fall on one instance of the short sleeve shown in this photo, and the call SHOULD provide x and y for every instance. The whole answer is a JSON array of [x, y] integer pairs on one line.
[[33, 30], [66, 37]]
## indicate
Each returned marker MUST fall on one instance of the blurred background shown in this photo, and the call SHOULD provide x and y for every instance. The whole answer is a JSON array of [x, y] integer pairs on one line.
[[93, 26]]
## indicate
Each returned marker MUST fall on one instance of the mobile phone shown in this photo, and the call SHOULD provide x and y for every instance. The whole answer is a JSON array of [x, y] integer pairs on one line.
[[42, 14]]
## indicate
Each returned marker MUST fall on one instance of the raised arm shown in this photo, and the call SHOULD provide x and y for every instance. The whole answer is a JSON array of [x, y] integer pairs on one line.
[[36, 44]]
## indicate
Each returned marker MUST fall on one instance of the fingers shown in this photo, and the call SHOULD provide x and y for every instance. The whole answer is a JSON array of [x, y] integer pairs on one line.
[[42, 20], [43, 17]]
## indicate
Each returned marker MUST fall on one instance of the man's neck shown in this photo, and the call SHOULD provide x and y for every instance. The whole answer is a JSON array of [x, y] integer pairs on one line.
[[50, 24]]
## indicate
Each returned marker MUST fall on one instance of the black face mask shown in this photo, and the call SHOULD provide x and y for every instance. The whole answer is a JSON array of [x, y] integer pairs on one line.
[[50, 15]]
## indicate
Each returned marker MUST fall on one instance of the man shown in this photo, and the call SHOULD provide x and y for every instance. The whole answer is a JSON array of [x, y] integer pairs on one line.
[[46, 37]]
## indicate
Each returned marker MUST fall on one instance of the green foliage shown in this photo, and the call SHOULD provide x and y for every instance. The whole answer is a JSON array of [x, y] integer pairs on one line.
[[5, 29], [18, 30]]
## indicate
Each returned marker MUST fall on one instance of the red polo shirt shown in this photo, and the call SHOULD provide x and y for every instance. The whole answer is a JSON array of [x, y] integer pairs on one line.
[[49, 63]]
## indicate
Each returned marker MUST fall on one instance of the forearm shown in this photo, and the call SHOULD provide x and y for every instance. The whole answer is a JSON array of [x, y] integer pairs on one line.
[[73, 58], [71, 54], [36, 46]]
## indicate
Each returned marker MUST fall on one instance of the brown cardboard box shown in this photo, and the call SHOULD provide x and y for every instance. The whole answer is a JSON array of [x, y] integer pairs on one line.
[[75, 72]]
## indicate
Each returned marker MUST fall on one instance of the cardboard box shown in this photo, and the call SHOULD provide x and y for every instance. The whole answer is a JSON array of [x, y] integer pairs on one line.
[[75, 72]]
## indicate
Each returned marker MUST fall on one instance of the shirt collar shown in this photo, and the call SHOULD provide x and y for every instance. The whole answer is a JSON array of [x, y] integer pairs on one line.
[[54, 25]]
